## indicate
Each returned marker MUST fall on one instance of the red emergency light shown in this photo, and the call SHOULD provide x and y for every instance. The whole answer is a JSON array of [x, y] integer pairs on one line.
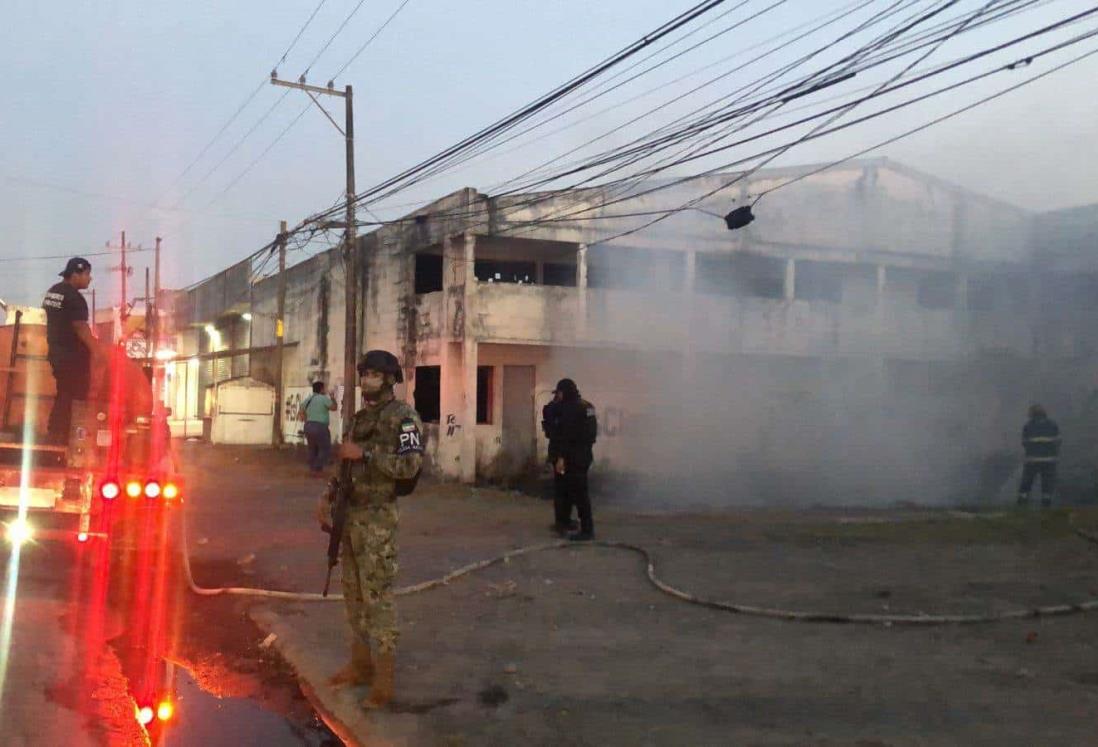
[[109, 490], [165, 710], [152, 489], [170, 491], [145, 715], [133, 488]]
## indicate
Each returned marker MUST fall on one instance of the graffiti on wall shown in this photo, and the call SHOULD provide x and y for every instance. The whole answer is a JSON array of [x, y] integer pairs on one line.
[[291, 406], [452, 425], [292, 428], [610, 422]]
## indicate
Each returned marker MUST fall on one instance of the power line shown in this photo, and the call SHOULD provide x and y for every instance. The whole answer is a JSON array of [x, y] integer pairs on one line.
[[889, 141], [370, 40], [308, 21], [205, 149], [786, 90], [247, 100], [332, 38], [698, 128], [596, 93], [950, 27], [125, 200], [69, 256], [824, 133], [544, 101], [234, 148], [252, 165]]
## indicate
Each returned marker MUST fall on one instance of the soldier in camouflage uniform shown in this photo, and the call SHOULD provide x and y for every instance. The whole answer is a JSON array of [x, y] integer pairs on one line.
[[386, 442]]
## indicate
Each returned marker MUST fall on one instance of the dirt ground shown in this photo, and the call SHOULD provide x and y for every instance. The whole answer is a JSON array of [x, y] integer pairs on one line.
[[575, 647]]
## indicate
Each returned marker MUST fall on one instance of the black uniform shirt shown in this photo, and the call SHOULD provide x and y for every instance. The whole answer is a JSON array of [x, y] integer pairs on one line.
[[1041, 440], [576, 432], [64, 305]]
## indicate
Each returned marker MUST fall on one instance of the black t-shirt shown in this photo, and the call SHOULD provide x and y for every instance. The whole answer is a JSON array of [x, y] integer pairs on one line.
[[64, 305]]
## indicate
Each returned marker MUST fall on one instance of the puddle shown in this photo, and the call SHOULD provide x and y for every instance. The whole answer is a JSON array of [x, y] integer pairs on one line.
[[210, 721]]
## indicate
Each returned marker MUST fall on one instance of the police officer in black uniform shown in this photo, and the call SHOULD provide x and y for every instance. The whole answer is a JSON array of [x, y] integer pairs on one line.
[[71, 345], [562, 507], [575, 432]]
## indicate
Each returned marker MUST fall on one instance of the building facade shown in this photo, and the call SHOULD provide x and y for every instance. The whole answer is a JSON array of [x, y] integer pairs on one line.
[[873, 336]]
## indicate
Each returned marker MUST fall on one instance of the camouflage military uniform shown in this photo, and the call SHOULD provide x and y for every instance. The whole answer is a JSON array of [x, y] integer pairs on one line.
[[390, 435]]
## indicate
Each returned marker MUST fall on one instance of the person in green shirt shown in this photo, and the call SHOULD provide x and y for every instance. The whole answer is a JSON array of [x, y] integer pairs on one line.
[[315, 412]]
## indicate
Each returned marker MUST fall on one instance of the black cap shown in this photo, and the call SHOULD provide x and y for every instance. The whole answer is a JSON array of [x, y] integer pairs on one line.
[[75, 265], [567, 388]]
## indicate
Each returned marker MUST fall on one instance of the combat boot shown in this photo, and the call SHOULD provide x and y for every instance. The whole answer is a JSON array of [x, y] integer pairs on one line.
[[381, 692], [359, 671]]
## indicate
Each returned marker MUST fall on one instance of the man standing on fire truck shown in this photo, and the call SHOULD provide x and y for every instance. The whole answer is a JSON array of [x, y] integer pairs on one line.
[[71, 344]]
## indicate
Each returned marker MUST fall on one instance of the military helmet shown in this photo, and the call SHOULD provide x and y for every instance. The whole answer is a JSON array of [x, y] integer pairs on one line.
[[382, 361]]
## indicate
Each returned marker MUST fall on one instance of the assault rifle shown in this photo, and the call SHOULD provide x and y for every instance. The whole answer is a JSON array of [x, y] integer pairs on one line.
[[339, 495]]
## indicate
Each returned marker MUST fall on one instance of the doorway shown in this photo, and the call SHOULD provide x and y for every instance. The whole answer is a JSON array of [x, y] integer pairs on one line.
[[519, 436]]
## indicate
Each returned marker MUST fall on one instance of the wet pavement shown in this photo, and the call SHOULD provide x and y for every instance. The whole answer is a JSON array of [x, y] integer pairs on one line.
[[102, 630], [210, 721]]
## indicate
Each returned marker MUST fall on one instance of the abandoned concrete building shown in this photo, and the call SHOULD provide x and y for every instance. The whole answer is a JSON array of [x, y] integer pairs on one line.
[[875, 334]]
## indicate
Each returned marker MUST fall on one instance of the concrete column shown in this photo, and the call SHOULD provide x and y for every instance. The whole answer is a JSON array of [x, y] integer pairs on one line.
[[790, 279], [689, 347], [881, 315], [469, 357], [457, 441]]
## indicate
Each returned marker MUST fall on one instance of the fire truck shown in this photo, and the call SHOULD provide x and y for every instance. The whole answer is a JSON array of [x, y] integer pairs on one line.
[[119, 447]]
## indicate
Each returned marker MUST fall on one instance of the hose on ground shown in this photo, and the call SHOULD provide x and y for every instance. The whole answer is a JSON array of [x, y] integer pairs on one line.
[[1056, 610]]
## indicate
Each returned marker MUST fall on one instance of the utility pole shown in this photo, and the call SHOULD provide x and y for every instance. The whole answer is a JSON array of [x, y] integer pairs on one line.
[[280, 332], [126, 270], [148, 306], [125, 312], [155, 325], [350, 254]]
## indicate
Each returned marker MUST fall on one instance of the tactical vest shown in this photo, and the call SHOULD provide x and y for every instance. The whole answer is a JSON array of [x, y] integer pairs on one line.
[[378, 430]]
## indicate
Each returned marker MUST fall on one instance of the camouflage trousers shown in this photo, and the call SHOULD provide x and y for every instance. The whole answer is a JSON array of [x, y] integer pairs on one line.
[[368, 558]]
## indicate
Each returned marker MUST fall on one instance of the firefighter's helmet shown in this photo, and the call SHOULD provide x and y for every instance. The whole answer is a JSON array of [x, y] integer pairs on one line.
[[382, 361]]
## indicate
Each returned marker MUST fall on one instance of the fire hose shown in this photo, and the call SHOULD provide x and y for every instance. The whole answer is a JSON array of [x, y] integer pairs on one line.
[[887, 620]]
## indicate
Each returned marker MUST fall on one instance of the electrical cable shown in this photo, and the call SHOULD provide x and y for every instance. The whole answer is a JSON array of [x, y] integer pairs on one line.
[[809, 78], [260, 157], [543, 102], [324, 214], [332, 38], [248, 99], [234, 148], [134, 250], [879, 17], [907, 133], [308, 21], [370, 40], [596, 93], [1074, 19], [890, 109], [509, 121]]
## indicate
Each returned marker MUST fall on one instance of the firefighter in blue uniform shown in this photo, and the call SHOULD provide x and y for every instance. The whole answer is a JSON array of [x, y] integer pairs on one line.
[[1041, 441]]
